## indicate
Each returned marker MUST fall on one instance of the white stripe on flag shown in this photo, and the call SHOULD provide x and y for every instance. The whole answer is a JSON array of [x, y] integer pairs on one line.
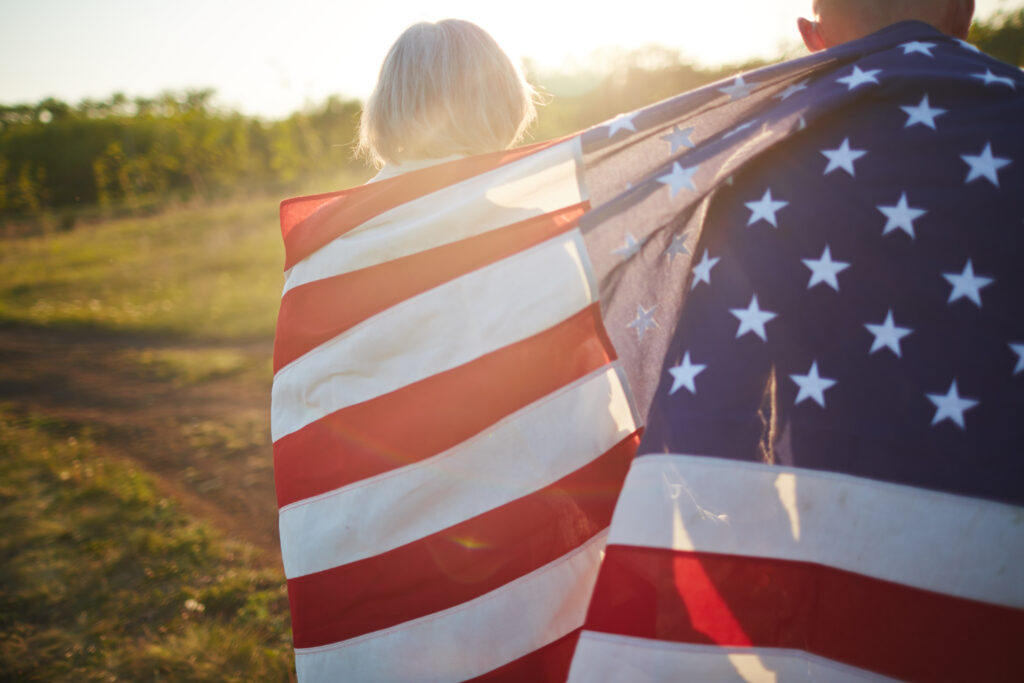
[[523, 453], [437, 330], [472, 638], [612, 658], [532, 186], [940, 542]]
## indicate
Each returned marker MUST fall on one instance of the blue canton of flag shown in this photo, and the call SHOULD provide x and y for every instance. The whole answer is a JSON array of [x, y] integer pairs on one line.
[[860, 306]]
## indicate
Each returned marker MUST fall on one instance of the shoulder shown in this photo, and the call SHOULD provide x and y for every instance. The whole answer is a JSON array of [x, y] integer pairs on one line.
[[393, 170]]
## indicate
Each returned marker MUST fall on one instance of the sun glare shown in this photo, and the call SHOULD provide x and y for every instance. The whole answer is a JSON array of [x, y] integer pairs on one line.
[[270, 60], [565, 35]]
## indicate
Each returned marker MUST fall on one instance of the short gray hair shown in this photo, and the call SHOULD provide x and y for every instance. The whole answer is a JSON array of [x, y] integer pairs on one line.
[[445, 88], [863, 17]]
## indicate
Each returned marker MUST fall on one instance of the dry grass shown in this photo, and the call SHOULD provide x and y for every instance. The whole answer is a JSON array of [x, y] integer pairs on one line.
[[106, 579]]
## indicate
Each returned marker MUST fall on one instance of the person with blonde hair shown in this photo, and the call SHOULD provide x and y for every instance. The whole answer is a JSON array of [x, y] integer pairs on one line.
[[446, 89], [451, 426]]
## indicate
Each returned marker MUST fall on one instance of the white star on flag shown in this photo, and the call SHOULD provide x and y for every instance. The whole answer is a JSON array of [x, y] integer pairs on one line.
[[859, 77], [738, 89], [965, 44], [752, 319], [644, 320], [683, 375], [702, 271], [901, 216], [621, 122], [842, 157], [1019, 350], [918, 46], [765, 208], [887, 335], [922, 113], [812, 386], [825, 270], [678, 137], [677, 248], [628, 249], [991, 78], [679, 178], [793, 89], [984, 165], [967, 284], [950, 406]]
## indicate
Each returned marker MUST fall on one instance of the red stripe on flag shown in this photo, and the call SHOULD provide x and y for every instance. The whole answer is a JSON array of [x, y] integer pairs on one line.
[[549, 664], [308, 223], [461, 562], [868, 623], [434, 414], [316, 312]]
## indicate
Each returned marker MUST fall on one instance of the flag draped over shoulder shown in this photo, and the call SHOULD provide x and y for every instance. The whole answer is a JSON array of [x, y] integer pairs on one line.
[[451, 425], [465, 356], [831, 478]]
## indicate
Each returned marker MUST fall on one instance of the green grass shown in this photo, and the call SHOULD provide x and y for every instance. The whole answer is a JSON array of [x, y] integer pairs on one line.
[[103, 578], [103, 575], [208, 272], [185, 367], [211, 271]]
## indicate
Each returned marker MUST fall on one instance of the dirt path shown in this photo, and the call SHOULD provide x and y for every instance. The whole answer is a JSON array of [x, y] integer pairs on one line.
[[207, 443]]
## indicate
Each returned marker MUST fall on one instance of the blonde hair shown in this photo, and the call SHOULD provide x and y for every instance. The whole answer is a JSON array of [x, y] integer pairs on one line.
[[444, 89]]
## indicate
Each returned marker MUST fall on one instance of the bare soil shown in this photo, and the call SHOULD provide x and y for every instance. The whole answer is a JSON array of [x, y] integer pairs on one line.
[[79, 376]]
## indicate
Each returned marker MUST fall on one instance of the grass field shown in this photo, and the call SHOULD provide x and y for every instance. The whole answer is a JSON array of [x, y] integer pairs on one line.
[[106, 578], [136, 481], [211, 272], [199, 272]]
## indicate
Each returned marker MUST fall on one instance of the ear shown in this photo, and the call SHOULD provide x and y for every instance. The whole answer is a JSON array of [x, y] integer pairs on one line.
[[810, 31], [963, 13]]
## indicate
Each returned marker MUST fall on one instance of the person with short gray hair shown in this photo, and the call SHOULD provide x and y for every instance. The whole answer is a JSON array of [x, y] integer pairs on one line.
[[840, 21], [830, 484]]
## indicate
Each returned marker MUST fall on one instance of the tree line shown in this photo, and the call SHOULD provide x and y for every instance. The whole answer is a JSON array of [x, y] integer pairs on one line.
[[121, 150], [133, 151]]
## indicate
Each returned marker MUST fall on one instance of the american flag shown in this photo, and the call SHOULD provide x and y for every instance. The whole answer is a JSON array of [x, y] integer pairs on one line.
[[451, 425], [831, 480], [451, 414]]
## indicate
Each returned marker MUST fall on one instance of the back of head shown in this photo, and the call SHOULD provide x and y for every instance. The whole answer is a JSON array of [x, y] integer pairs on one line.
[[445, 88], [839, 21]]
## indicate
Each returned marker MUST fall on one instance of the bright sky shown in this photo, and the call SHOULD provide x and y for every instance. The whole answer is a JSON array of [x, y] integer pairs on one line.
[[269, 58]]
